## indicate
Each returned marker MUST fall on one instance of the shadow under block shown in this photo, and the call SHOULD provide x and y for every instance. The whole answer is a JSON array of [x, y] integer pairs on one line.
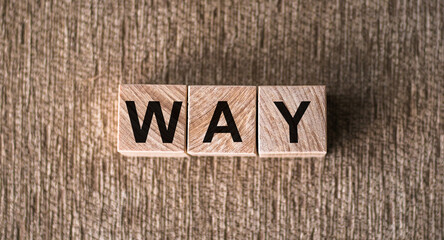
[[157, 125], [222, 120], [303, 107]]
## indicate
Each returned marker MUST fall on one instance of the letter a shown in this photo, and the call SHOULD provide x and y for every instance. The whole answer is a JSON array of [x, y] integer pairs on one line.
[[222, 107]]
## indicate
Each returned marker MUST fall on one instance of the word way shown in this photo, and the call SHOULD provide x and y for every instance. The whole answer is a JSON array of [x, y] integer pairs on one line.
[[180, 120]]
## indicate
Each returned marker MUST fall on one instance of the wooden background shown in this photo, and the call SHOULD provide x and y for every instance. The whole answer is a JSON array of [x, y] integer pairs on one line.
[[61, 64]]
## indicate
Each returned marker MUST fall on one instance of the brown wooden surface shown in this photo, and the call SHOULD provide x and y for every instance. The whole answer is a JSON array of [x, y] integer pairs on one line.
[[61, 176]]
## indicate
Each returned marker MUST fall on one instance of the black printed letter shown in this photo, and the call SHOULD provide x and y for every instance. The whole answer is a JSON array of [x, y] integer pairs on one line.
[[222, 107], [293, 121], [140, 134]]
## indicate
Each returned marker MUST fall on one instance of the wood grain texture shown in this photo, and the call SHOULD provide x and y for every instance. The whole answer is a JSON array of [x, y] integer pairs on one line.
[[241, 101], [273, 129], [141, 95], [61, 65]]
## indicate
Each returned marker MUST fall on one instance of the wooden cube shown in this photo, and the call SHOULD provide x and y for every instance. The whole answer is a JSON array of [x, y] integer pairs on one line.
[[222, 120], [292, 121], [152, 120]]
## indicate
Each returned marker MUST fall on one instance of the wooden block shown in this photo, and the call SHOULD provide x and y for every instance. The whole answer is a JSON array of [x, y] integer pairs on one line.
[[303, 107], [152, 120], [222, 120]]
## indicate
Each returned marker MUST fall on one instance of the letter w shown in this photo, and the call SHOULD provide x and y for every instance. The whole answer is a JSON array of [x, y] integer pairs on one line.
[[141, 133]]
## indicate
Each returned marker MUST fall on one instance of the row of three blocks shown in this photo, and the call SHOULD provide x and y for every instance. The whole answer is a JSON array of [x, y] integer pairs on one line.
[[176, 120]]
